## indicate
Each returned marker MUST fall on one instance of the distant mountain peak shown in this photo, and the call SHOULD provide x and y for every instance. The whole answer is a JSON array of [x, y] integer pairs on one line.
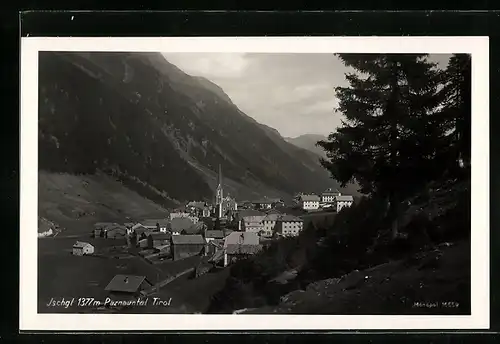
[[308, 142]]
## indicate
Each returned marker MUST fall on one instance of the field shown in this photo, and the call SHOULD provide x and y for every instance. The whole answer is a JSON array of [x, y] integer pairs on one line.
[[76, 202], [63, 275]]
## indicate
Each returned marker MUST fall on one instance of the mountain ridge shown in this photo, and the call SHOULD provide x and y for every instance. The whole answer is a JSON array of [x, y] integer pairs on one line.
[[160, 131]]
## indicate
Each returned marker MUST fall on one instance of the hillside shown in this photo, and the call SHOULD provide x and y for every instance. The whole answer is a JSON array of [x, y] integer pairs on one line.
[[65, 198], [353, 266], [308, 142], [161, 132]]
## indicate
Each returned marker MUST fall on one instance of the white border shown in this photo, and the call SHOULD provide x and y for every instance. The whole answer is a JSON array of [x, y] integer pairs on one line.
[[477, 46]]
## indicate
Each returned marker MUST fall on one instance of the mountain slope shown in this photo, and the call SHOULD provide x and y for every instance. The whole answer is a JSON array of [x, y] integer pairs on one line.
[[160, 131], [308, 142]]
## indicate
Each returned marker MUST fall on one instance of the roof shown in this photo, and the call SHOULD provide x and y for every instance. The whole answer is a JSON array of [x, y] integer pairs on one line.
[[290, 218], [179, 224], [81, 244], [129, 224], [345, 198], [196, 239], [249, 212], [272, 217], [126, 283], [313, 198], [242, 238], [160, 236], [195, 204], [214, 234], [153, 222]]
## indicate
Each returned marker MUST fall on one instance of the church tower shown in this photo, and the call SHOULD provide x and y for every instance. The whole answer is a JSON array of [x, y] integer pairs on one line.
[[219, 198]]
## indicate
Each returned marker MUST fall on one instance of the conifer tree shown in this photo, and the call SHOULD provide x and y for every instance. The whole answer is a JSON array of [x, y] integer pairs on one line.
[[456, 110], [385, 142]]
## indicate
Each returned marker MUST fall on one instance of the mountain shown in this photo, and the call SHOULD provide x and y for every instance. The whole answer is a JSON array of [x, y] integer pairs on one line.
[[159, 131], [308, 142]]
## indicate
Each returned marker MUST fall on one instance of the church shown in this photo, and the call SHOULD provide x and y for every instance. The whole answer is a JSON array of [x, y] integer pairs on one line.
[[224, 205]]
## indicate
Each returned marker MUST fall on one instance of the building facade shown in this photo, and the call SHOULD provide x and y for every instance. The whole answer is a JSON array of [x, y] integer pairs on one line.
[[82, 248], [288, 225], [329, 195], [343, 201], [310, 202], [270, 222], [184, 246]]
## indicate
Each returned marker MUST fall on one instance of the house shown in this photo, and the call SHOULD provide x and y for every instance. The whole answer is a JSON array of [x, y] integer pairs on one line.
[[213, 234], [81, 248], [269, 223], [250, 220], [263, 204], [127, 286], [158, 239], [100, 229], [115, 231], [179, 224], [343, 201], [179, 214], [240, 245], [289, 225], [159, 225], [310, 202], [329, 195], [198, 228], [184, 246], [199, 209], [209, 223], [139, 230]]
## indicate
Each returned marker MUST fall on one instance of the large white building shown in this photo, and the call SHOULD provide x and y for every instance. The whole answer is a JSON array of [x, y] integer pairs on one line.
[[329, 195], [310, 202], [270, 224], [343, 201], [288, 225]]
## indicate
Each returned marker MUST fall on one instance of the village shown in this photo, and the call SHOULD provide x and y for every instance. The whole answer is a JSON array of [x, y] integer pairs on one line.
[[218, 234]]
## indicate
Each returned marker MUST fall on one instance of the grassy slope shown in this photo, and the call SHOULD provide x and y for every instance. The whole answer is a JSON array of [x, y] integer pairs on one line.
[[433, 276], [74, 202]]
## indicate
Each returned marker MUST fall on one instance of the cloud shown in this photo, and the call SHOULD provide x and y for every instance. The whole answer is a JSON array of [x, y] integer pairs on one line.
[[294, 93]]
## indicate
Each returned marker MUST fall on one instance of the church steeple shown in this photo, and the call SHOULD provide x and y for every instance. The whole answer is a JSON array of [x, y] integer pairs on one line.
[[219, 193]]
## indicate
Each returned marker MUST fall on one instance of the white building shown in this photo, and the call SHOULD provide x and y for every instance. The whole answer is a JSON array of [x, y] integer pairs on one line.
[[329, 195], [270, 224], [310, 202], [82, 248], [343, 201], [288, 225]]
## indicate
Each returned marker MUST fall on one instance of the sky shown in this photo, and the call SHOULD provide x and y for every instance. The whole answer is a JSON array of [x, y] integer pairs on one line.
[[293, 93]]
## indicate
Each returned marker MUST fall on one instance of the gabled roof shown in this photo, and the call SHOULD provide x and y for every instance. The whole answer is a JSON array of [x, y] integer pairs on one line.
[[310, 198], [153, 222], [179, 224], [241, 238], [345, 198], [196, 239], [290, 218], [81, 244], [199, 205], [126, 283], [160, 236]]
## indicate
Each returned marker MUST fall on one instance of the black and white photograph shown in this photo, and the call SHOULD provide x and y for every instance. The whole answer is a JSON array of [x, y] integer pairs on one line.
[[179, 182]]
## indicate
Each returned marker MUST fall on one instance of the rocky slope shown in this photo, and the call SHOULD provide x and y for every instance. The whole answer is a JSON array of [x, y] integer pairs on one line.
[[160, 131]]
